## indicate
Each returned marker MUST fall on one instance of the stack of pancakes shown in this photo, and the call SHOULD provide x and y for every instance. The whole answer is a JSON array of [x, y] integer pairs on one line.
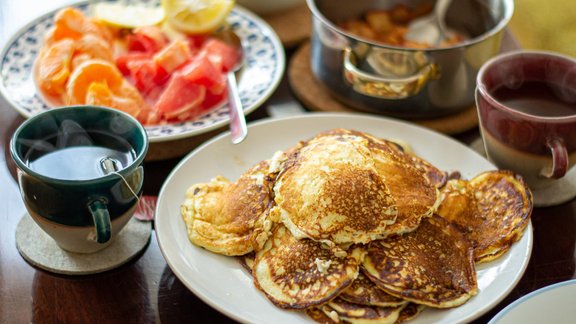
[[349, 227]]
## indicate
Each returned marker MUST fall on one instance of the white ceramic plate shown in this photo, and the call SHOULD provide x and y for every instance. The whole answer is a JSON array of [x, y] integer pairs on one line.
[[551, 304], [265, 62], [225, 285]]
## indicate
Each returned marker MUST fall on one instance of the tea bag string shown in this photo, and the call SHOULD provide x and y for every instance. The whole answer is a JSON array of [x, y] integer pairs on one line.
[[109, 166]]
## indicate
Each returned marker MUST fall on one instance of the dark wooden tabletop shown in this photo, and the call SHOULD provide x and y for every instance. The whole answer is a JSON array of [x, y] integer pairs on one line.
[[145, 290]]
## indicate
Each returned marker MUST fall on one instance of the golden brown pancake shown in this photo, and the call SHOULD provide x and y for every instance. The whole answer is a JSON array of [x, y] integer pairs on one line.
[[436, 176], [493, 209], [364, 292], [247, 261], [409, 312], [347, 186], [329, 190], [355, 313], [415, 196], [302, 273], [320, 316], [433, 265], [221, 215], [412, 181]]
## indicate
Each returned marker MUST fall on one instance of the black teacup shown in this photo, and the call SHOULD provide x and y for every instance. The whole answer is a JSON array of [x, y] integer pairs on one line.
[[80, 173]]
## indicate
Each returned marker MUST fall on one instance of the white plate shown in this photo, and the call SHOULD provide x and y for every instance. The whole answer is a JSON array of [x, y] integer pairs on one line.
[[551, 304], [221, 282], [265, 62]]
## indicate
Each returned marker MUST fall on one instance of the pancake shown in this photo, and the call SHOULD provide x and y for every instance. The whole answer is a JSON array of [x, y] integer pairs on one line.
[[247, 261], [413, 182], [298, 274], [319, 316], [492, 209], [433, 265], [364, 292], [415, 195], [329, 190], [409, 312], [221, 216], [355, 313], [436, 176]]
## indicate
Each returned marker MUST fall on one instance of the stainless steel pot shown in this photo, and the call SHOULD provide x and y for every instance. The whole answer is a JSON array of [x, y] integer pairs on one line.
[[403, 82]]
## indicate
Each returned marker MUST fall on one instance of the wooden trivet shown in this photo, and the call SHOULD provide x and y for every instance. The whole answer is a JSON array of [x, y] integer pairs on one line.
[[39, 249], [316, 97], [293, 26]]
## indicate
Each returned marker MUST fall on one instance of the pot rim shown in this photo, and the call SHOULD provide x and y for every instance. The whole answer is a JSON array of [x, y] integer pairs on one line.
[[508, 12]]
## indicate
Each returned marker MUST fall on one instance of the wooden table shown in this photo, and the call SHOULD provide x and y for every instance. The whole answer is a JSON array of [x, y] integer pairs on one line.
[[145, 290]]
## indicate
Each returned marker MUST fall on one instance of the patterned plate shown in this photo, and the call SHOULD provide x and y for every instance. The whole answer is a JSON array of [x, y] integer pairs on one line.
[[261, 75]]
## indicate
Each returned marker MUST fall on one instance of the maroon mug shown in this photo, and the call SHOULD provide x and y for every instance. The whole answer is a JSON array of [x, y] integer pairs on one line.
[[526, 104]]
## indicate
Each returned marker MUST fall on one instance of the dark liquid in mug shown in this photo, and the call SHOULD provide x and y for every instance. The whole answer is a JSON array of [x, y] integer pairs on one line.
[[539, 99], [80, 162]]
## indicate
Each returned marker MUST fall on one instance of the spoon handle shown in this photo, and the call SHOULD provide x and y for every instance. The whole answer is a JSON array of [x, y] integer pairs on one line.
[[440, 10], [237, 120]]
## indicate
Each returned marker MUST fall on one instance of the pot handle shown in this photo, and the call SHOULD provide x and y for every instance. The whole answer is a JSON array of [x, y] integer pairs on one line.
[[383, 87]]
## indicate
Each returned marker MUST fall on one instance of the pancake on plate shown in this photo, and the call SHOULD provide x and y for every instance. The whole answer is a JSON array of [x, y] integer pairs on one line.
[[330, 190], [363, 291], [492, 209], [247, 261], [347, 187], [409, 312], [414, 194], [433, 265], [302, 273], [436, 176], [319, 316], [354, 313], [221, 216]]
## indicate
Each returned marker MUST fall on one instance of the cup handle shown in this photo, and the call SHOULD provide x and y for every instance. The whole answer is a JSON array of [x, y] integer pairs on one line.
[[101, 219], [559, 159]]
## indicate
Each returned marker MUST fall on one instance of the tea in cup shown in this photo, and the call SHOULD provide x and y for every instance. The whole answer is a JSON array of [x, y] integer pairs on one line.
[[526, 104], [80, 173]]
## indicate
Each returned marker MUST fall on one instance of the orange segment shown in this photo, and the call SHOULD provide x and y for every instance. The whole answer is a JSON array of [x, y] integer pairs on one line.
[[88, 72], [99, 94], [54, 67], [95, 47], [72, 23]]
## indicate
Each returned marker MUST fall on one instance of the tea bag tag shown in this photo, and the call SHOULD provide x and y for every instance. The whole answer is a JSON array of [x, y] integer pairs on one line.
[[110, 166]]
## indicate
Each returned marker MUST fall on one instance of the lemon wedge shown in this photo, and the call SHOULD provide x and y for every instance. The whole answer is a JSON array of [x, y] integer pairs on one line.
[[128, 16], [197, 16]]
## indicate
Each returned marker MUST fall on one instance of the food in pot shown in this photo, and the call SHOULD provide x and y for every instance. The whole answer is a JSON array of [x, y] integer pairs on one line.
[[389, 26]]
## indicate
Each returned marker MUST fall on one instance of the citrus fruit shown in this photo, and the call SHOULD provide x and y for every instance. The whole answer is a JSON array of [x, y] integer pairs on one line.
[[197, 16], [88, 72], [128, 15], [54, 67], [72, 23], [94, 46], [174, 55], [127, 100], [180, 100]]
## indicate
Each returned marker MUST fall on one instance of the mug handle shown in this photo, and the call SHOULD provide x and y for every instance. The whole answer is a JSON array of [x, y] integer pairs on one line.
[[559, 159], [383, 87], [101, 219]]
